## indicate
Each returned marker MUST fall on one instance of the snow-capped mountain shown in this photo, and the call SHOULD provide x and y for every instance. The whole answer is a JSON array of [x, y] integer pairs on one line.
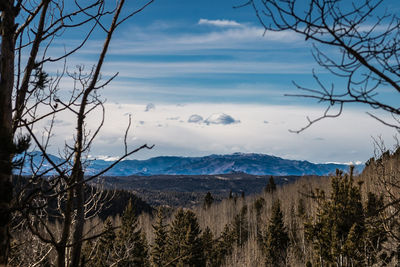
[[255, 164]]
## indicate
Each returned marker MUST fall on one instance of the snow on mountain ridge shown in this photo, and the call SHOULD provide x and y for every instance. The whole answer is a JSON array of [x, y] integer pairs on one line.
[[251, 163]]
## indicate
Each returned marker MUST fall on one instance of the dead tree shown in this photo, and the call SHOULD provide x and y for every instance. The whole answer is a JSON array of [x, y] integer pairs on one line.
[[356, 41], [28, 95]]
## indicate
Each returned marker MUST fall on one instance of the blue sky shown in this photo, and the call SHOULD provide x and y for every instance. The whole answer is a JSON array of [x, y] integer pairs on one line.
[[200, 77]]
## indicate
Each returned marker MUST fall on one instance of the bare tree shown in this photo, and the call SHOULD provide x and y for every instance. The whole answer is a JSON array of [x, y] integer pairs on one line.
[[28, 95], [365, 38]]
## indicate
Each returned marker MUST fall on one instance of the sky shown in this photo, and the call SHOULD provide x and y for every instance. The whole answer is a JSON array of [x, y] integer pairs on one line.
[[202, 77]]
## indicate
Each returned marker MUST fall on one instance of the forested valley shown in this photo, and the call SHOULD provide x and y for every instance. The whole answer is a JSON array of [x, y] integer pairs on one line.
[[344, 220]]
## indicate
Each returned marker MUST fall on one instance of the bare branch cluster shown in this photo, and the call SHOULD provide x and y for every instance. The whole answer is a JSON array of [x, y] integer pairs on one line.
[[357, 41], [55, 201]]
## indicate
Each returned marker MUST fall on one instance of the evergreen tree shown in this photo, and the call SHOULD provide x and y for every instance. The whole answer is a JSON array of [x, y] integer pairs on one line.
[[208, 246], [241, 227], [208, 200], [158, 249], [294, 234], [131, 244], [276, 240], [141, 252], [185, 246], [337, 233], [301, 208], [104, 249], [224, 246], [271, 186], [258, 205], [375, 233]]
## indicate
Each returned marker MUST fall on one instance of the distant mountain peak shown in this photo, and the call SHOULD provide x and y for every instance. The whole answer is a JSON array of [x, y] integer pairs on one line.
[[238, 162]]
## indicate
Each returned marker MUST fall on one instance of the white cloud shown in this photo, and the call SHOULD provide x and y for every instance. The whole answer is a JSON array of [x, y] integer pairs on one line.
[[342, 141], [195, 118], [220, 118], [139, 41], [137, 69], [219, 23]]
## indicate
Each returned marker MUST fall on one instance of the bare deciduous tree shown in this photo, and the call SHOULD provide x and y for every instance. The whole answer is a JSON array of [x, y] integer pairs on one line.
[[356, 41], [28, 95]]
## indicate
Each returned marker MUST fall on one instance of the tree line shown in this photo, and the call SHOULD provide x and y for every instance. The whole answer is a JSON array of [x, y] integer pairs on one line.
[[343, 220]]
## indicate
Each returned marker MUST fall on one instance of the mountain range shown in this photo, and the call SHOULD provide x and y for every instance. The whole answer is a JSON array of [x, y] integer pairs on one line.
[[250, 163]]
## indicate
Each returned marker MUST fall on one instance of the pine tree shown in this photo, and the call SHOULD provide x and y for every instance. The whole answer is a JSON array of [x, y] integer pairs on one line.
[[337, 233], [208, 200], [276, 240], [240, 226], [224, 246], [375, 234], [258, 205], [301, 208], [185, 246], [130, 242], [158, 249], [208, 246], [104, 250], [271, 186], [294, 234], [141, 252]]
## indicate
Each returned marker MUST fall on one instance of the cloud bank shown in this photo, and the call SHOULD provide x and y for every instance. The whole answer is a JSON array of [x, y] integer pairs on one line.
[[219, 23]]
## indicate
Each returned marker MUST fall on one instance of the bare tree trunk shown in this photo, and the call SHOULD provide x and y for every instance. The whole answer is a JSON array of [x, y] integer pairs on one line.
[[62, 245], [77, 172], [6, 139], [80, 217]]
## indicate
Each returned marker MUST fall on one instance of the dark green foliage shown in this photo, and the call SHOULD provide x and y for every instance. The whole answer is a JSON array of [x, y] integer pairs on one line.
[[185, 247], [208, 246], [294, 230], [301, 208], [258, 205], [162, 190], [224, 246], [40, 77], [21, 145], [208, 200], [119, 202], [375, 233], [340, 222], [158, 249], [103, 252], [131, 245], [344, 233], [240, 227], [127, 248], [271, 186], [276, 240]]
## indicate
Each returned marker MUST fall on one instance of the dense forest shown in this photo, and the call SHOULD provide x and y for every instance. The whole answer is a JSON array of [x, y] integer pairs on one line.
[[346, 220]]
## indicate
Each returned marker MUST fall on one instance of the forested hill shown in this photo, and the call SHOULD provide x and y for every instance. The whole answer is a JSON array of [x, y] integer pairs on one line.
[[255, 164]]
